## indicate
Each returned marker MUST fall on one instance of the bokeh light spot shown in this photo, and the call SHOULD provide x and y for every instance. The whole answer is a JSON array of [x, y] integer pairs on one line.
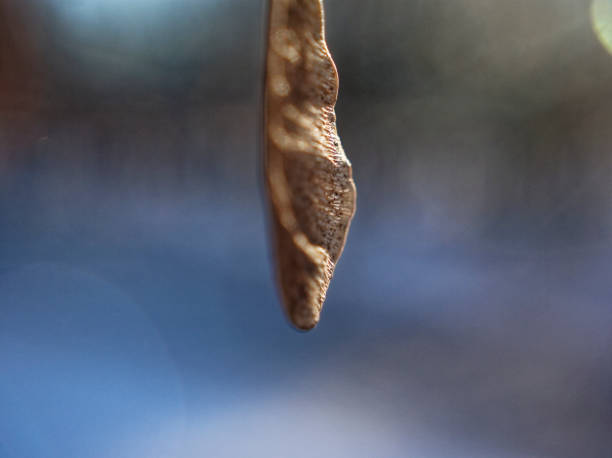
[[601, 19]]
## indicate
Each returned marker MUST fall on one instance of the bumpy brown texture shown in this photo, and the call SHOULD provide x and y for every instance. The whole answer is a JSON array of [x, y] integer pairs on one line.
[[309, 178]]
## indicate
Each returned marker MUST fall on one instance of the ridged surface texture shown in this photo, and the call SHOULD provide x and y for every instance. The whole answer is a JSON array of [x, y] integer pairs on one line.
[[309, 178]]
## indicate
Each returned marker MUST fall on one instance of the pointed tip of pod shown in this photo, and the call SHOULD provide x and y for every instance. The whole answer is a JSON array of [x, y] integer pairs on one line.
[[304, 318]]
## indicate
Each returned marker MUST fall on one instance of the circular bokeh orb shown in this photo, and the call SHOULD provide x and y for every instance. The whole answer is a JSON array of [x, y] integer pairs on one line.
[[84, 369]]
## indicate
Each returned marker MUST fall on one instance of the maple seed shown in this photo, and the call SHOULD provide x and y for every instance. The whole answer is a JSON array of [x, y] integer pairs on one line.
[[309, 178]]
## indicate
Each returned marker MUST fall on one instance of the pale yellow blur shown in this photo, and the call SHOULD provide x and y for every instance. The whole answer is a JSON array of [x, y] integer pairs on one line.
[[601, 19]]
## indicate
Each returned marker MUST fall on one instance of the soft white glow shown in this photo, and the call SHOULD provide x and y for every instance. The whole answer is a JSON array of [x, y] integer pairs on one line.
[[111, 42], [131, 18]]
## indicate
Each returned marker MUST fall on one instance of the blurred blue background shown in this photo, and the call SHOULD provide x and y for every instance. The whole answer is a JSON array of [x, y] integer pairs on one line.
[[470, 315]]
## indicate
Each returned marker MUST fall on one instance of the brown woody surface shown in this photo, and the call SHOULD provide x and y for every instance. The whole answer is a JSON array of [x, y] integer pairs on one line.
[[309, 178]]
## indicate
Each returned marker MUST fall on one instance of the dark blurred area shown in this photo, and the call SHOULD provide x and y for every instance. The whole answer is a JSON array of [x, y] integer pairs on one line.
[[470, 315]]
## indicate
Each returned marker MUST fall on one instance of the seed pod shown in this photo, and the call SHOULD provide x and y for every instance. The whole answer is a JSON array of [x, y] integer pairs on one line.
[[308, 176]]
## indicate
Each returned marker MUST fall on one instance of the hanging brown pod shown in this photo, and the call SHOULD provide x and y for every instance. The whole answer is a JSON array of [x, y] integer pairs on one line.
[[309, 178]]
